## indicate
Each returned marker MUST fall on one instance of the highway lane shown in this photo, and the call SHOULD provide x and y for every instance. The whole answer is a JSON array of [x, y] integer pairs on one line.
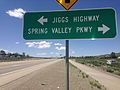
[[7, 68], [23, 69], [47, 76]]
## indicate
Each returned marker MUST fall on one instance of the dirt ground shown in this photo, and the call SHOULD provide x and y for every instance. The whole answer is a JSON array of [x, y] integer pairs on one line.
[[82, 81], [54, 78]]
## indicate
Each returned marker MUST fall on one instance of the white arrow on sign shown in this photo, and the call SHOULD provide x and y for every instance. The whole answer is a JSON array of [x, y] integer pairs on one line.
[[104, 29], [42, 20]]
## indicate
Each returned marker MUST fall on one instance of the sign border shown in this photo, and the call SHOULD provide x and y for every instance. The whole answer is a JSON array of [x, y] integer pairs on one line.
[[75, 10]]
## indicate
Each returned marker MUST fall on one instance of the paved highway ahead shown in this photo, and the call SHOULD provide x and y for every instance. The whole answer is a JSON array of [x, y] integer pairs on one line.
[[9, 67], [11, 71]]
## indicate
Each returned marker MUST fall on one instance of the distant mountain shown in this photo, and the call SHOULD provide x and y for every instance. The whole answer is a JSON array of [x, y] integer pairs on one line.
[[118, 54], [108, 55]]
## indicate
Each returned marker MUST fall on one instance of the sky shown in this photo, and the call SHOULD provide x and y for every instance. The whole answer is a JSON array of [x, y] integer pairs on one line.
[[11, 29]]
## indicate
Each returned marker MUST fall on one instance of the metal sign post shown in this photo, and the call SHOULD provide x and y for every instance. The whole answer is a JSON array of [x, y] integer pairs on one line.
[[67, 44], [67, 64]]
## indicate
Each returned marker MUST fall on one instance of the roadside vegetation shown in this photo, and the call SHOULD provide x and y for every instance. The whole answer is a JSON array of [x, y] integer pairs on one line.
[[96, 84], [82, 81], [102, 63], [6, 56]]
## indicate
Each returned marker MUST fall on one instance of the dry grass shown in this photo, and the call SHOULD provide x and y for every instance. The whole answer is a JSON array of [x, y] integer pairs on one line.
[[82, 81]]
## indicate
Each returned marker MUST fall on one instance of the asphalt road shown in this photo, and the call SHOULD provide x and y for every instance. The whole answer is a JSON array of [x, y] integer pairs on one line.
[[8, 68], [109, 81], [43, 75], [10, 71]]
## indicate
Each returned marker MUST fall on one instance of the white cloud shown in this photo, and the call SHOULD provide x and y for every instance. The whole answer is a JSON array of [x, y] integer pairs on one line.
[[17, 42], [40, 45], [18, 13], [60, 48], [57, 44]]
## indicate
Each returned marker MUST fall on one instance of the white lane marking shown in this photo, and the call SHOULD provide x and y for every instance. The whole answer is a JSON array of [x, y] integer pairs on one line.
[[10, 71], [6, 73], [9, 66], [15, 65]]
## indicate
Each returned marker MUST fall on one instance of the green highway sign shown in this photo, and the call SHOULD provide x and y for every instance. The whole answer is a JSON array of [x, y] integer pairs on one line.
[[77, 24]]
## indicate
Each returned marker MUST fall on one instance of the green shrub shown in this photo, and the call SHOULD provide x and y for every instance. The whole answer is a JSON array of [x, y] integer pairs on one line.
[[82, 62], [83, 75], [110, 70], [87, 76], [117, 73], [95, 84]]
